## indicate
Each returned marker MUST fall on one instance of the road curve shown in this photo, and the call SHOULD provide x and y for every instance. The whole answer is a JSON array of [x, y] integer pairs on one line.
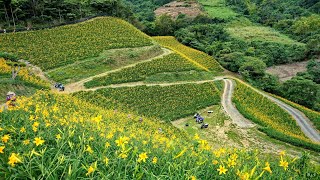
[[302, 120], [231, 110], [305, 124]]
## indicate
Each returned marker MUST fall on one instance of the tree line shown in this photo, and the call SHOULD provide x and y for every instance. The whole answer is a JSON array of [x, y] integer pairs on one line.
[[28, 14]]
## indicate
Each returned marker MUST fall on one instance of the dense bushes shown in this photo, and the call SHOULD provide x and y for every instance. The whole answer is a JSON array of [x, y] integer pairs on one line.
[[302, 91], [231, 45], [299, 18], [203, 37], [28, 14]]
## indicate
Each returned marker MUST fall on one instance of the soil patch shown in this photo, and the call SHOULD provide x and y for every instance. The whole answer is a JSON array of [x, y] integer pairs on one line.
[[173, 9], [287, 71]]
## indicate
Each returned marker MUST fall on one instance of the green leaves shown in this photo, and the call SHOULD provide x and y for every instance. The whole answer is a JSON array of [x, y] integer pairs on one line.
[[67, 44]]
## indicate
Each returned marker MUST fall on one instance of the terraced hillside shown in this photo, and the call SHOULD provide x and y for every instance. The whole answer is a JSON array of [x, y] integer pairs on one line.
[[114, 120], [67, 44]]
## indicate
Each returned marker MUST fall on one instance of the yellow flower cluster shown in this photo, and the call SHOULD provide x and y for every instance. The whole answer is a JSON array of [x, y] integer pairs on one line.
[[24, 74], [88, 141]]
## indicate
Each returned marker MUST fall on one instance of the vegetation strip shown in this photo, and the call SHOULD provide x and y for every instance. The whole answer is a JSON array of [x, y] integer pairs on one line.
[[179, 100], [313, 116], [139, 72], [270, 116]]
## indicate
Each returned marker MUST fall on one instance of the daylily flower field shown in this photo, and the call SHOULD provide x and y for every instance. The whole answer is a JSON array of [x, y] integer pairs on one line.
[[58, 136]]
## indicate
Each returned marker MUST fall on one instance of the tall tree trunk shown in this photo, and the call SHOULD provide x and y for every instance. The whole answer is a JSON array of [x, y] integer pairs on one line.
[[34, 8], [60, 17], [14, 22], [80, 10], [6, 15]]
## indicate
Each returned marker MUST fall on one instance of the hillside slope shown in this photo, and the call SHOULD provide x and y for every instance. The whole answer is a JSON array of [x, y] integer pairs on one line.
[[26, 83], [58, 136], [67, 44]]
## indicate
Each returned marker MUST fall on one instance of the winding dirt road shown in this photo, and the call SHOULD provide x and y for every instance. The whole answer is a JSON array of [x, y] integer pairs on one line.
[[231, 110], [305, 124], [302, 120], [226, 100], [141, 83]]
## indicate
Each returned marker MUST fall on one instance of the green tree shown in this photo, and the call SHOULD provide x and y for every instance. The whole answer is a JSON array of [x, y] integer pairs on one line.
[[302, 91], [307, 25], [314, 70], [253, 68], [165, 25]]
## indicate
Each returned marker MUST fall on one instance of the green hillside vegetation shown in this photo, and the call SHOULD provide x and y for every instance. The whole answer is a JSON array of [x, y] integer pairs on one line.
[[108, 60], [267, 44], [167, 103], [260, 33], [270, 117], [298, 18], [218, 9], [139, 72], [67, 44], [29, 14]]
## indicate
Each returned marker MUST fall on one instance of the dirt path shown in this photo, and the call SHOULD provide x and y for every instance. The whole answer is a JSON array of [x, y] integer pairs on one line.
[[231, 110], [305, 124], [79, 86], [37, 71]]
